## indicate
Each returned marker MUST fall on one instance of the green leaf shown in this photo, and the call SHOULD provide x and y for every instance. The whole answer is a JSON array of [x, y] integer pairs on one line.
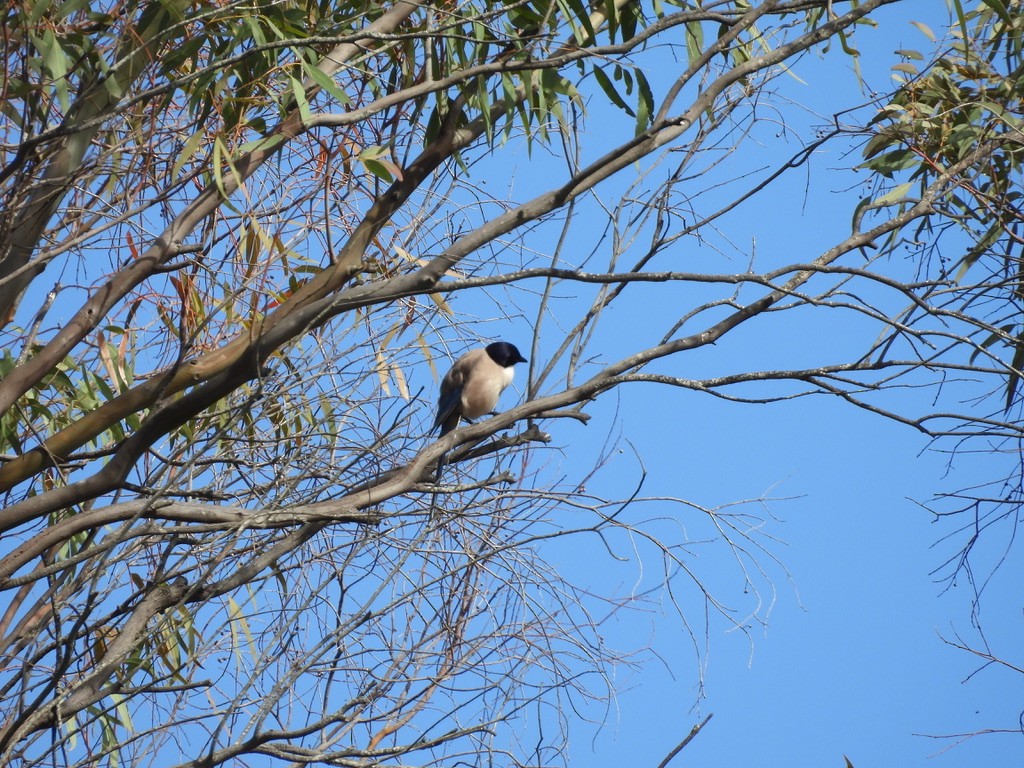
[[299, 94], [858, 212], [694, 41], [609, 89], [379, 170], [187, 150], [327, 83], [890, 162], [877, 144], [925, 30], [894, 195], [845, 43], [986, 241], [375, 160], [630, 16], [991, 339], [55, 62], [1000, 9], [263, 143], [219, 151], [909, 54], [961, 18], [645, 103], [612, 15]]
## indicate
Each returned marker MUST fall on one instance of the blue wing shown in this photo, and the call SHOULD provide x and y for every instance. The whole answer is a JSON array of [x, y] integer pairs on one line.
[[448, 410]]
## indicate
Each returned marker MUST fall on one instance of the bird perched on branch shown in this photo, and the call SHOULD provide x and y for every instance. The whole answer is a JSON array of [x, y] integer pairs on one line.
[[472, 387]]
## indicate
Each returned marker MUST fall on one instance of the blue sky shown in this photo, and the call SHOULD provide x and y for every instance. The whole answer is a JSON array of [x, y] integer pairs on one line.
[[851, 661]]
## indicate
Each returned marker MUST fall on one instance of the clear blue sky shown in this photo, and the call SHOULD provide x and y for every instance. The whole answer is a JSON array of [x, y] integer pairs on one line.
[[851, 661]]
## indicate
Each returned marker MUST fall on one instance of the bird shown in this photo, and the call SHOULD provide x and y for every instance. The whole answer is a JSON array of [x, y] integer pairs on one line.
[[472, 387]]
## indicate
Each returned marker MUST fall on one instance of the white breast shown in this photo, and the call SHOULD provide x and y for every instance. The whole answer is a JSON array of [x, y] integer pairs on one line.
[[481, 391]]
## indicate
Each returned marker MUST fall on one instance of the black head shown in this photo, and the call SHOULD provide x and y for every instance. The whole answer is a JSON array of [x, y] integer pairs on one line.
[[504, 354]]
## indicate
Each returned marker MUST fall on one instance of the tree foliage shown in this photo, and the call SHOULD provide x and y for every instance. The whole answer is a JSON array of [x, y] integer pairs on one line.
[[962, 110], [235, 237], [958, 114]]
